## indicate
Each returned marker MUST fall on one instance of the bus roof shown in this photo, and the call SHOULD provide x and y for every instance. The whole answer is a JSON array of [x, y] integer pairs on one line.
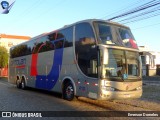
[[94, 20], [90, 21], [66, 26]]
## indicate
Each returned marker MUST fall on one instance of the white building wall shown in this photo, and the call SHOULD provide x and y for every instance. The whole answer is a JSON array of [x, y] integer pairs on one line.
[[8, 41], [151, 60]]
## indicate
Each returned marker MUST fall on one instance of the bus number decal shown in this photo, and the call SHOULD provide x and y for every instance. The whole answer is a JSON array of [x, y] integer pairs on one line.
[[21, 63], [82, 88]]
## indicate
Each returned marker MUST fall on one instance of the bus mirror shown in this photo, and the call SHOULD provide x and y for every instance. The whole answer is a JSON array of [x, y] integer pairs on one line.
[[105, 56]]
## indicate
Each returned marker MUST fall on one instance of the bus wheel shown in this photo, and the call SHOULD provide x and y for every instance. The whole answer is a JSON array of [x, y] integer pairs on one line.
[[18, 83], [23, 84], [68, 91]]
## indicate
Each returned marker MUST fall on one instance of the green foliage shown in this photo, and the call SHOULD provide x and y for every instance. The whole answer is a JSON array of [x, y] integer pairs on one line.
[[3, 57]]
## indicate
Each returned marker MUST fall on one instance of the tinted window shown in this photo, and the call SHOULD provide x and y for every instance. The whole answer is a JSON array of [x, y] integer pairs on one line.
[[68, 33], [57, 40], [42, 45], [19, 50], [127, 38], [63, 38], [85, 52], [105, 34]]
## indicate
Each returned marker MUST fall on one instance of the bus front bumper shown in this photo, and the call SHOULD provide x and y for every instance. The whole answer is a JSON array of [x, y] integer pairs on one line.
[[115, 95]]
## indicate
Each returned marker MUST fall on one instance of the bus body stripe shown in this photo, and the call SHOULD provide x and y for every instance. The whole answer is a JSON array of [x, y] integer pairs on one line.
[[34, 64], [21, 66], [49, 81]]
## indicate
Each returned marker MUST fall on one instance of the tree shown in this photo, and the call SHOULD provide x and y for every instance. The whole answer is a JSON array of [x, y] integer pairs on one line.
[[3, 57]]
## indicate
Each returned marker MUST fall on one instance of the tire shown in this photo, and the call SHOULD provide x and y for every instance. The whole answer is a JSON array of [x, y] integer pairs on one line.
[[23, 85], [18, 84], [68, 91]]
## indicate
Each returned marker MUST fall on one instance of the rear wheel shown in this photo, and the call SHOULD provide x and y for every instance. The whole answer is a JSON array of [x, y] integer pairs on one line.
[[23, 84], [18, 84], [68, 91]]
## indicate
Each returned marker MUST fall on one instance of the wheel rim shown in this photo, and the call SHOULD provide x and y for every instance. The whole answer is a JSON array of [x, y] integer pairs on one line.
[[18, 83], [23, 86], [69, 91]]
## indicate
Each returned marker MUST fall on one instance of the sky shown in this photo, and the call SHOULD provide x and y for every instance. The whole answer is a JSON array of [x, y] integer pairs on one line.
[[34, 17]]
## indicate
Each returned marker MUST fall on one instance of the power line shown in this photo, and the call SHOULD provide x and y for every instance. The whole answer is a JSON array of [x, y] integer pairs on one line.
[[28, 10], [140, 15], [45, 12], [146, 17], [146, 26], [33, 6], [124, 8], [138, 9]]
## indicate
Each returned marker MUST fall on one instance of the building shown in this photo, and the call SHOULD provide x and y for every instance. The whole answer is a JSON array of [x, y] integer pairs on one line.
[[8, 41], [150, 61]]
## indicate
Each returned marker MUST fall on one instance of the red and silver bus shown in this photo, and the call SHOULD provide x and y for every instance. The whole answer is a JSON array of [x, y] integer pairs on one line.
[[92, 58]]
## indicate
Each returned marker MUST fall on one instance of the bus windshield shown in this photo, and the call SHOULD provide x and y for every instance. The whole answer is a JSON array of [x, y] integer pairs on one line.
[[115, 35], [121, 62]]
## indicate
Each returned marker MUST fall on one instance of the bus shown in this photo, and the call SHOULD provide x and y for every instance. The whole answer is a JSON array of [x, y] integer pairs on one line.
[[92, 58], [150, 61]]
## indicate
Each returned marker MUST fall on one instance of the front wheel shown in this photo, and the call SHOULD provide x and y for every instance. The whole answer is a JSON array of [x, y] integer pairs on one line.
[[23, 85], [68, 91]]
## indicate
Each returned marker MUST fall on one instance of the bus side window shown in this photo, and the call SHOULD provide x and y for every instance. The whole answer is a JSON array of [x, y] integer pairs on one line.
[[86, 54], [87, 41], [20, 50], [105, 34], [59, 41], [68, 36]]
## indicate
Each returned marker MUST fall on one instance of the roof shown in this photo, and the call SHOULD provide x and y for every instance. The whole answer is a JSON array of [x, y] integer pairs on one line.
[[14, 36]]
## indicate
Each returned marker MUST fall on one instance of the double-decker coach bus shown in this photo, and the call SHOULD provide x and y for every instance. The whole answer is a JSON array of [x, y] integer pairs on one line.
[[92, 58]]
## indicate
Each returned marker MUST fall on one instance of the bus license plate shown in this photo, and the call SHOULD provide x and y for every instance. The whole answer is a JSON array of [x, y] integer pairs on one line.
[[127, 95]]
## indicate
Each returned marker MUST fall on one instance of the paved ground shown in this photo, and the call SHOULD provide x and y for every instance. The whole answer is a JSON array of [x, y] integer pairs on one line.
[[13, 99]]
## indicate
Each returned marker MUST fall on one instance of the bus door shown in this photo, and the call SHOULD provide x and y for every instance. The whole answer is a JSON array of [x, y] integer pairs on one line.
[[86, 55], [88, 74], [93, 79], [82, 88], [87, 87]]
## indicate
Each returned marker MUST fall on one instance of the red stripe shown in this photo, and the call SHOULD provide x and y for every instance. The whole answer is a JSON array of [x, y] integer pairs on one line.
[[34, 65], [41, 47], [21, 66]]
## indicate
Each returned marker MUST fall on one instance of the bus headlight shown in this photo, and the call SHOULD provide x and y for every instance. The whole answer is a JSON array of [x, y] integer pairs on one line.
[[139, 88], [108, 88]]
